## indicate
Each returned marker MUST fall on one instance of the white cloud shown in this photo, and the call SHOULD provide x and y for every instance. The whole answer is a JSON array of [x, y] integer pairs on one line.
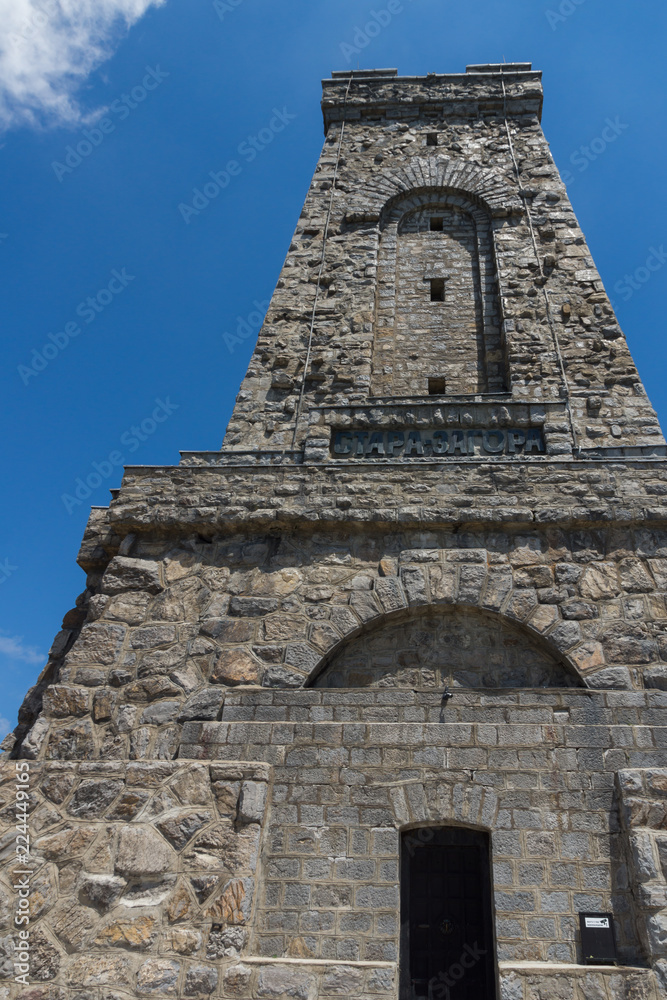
[[12, 647], [49, 47]]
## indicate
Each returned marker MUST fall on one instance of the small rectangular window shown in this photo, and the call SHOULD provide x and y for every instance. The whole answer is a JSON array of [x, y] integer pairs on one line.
[[435, 223], [431, 138], [437, 289], [437, 387]]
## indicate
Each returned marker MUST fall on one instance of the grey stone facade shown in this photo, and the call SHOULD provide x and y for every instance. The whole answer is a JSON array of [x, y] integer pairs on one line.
[[421, 586]]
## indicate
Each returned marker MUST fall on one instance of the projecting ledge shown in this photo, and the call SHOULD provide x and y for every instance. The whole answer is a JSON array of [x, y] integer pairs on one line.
[[561, 967], [263, 960]]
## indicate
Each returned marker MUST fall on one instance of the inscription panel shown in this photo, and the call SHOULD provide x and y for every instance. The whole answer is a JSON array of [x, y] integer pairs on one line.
[[431, 442]]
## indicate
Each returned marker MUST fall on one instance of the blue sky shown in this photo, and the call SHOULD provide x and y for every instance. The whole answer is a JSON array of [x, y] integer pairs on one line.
[[133, 301]]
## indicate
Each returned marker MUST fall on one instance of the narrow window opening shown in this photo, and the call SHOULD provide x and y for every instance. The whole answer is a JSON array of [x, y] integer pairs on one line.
[[437, 289], [436, 223], [431, 138], [437, 386]]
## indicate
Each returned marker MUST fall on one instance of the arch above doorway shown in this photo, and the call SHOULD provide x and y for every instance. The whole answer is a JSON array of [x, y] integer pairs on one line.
[[435, 646]]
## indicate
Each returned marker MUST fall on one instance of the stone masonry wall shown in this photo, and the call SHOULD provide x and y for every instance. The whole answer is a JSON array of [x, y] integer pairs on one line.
[[148, 876], [415, 338], [142, 875], [170, 627], [643, 798], [353, 768]]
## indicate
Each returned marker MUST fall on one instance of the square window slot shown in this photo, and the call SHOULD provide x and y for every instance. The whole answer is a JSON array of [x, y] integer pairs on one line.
[[431, 138], [437, 387], [435, 223], [437, 289]]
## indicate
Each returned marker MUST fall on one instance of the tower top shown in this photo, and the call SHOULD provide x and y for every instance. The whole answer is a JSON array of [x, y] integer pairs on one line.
[[485, 89], [437, 264]]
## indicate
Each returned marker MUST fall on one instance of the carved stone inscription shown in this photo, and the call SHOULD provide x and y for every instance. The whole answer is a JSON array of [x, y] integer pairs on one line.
[[431, 442]]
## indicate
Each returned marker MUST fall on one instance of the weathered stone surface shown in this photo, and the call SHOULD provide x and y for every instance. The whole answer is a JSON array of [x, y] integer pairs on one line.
[[656, 677], [70, 841], [100, 891], [301, 656], [236, 980], [226, 796], [160, 713], [158, 976], [203, 886], [154, 635], [180, 905], [233, 906], [149, 892], [45, 959], [200, 980], [103, 705], [7, 956], [180, 825], [60, 701], [57, 786], [414, 582], [183, 941], [43, 893], [135, 933], [343, 980], [323, 637], [71, 742], [5, 909], [612, 677], [124, 573], [93, 797], [97, 643], [192, 784], [204, 705], [128, 805], [282, 982], [229, 629], [32, 744], [252, 607], [142, 852], [280, 676], [222, 848], [235, 666], [101, 970], [599, 582], [252, 802], [151, 688], [73, 925]]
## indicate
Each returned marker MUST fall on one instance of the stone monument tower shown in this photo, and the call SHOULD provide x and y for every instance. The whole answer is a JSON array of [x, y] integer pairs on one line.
[[371, 703]]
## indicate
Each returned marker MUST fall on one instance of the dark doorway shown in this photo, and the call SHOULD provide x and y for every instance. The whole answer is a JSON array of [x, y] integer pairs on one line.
[[447, 947]]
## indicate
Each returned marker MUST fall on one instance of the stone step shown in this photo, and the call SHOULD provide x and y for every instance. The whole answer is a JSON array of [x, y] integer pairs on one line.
[[554, 707], [445, 734]]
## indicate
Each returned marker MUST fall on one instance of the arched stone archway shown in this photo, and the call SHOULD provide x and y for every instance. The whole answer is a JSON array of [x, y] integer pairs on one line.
[[486, 187], [434, 646]]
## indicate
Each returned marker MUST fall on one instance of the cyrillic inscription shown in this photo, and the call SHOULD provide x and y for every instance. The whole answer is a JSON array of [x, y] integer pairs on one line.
[[428, 443]]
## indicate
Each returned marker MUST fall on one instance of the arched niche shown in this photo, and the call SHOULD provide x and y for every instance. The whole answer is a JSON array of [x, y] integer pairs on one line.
[[447, 645], [437, 315]]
